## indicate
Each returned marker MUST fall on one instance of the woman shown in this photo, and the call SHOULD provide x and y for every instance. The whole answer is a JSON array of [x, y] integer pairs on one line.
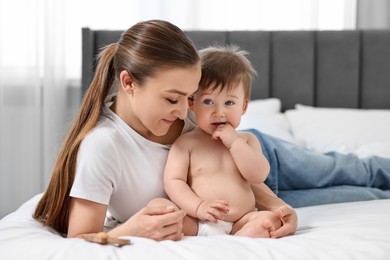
[[114, 155]]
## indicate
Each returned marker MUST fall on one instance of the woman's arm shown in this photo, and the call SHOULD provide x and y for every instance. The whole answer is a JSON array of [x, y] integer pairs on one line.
[[267, 200], [158, 223], [85, 217], [154, 222]]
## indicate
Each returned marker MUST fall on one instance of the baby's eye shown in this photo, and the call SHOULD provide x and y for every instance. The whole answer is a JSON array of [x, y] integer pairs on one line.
[[208, 101], [229, 103], [172, 101]]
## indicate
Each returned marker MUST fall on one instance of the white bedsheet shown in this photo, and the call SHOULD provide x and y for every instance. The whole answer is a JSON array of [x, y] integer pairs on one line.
[[357, 230]]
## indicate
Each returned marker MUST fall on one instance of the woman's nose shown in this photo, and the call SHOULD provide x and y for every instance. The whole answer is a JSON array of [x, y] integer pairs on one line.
[[181, 111]]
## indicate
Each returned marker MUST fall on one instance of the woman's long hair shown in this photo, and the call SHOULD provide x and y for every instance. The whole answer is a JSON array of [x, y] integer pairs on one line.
[[142, 50]]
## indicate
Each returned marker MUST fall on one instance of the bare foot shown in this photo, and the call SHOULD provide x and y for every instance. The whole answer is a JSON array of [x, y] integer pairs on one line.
[[260, 225]]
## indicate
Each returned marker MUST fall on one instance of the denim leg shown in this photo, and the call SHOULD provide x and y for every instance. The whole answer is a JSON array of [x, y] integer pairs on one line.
[[334, 194], [294, 167]]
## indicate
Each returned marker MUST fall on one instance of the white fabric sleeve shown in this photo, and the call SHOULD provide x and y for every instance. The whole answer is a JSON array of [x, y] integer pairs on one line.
[[97, 169]]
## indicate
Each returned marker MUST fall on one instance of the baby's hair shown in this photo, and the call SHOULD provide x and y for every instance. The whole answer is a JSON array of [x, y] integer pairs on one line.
[[226, 66]]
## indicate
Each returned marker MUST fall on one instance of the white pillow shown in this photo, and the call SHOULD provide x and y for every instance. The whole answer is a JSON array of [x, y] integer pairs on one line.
[[339, 129], [268, 105], [272, 124], [380, 149], [265, 116]]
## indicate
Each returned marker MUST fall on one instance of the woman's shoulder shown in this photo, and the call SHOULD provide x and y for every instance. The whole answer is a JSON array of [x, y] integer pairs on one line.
[[103, 142], [104, 134]]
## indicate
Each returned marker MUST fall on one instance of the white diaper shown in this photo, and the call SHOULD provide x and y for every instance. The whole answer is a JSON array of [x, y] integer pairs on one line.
[[208, 228]]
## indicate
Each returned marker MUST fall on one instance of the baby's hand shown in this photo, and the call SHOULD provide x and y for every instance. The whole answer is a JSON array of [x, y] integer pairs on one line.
[[212, 210], [226, 133]]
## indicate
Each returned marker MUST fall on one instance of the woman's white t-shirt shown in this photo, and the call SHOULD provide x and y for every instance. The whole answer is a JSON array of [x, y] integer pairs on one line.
[[118, 167]]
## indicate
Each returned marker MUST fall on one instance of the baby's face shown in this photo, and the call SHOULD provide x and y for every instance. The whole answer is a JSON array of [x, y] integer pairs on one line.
[[219, 106]]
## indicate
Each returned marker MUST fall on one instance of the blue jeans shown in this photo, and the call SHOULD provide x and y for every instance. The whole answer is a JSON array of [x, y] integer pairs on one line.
[[302, 177]]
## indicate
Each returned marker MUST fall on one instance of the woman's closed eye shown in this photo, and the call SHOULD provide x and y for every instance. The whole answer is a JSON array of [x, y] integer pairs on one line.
[[172, 101]]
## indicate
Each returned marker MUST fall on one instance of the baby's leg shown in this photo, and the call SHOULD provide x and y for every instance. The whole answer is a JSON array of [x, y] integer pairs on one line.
[[256, 224], [190, 225]]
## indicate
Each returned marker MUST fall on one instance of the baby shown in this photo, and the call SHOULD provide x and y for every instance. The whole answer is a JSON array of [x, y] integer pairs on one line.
[[209, 170]]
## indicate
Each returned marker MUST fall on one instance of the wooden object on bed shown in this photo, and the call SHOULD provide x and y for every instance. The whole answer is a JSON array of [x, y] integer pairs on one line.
[[318, 68], [103, 239]]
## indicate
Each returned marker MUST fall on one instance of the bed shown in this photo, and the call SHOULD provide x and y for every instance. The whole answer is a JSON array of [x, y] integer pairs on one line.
[[354, 230], [325, 90]]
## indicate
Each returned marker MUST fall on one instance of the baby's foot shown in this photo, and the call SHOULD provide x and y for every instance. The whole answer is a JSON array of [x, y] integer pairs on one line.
[[257, 229], [260, 226]]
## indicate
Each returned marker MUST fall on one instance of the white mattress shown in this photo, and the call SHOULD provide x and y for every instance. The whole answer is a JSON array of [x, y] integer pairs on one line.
[[356, 230]]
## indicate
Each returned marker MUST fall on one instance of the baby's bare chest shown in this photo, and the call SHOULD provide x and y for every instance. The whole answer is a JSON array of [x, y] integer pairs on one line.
[[212, 159]]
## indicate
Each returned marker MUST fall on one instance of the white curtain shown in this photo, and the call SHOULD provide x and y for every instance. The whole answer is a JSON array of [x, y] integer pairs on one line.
[[20, 102], [33, 95], [373, 15], [40, 64]]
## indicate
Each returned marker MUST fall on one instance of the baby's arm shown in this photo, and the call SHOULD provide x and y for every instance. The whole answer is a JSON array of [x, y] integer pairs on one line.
[[249, 158], [175, 178], [246, 151]]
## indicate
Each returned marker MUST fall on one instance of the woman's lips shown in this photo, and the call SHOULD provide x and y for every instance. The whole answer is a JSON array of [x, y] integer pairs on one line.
[[169, 122]]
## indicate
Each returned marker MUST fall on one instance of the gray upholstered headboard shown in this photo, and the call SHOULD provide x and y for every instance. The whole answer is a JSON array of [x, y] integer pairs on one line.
[[318, 68]]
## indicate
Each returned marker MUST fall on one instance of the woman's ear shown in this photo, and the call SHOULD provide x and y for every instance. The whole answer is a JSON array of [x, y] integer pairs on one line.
[[191, 101], [245, 106], [126, 82]]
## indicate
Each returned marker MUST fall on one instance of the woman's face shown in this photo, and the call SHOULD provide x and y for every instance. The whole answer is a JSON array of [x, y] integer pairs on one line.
[[161, 100]]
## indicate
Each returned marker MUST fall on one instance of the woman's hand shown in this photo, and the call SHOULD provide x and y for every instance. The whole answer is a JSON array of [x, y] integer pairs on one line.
[[289, 219], [157, 223], [267, 200]]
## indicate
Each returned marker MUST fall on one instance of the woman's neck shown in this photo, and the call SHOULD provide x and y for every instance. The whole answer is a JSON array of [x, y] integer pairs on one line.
[[173, 133]]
